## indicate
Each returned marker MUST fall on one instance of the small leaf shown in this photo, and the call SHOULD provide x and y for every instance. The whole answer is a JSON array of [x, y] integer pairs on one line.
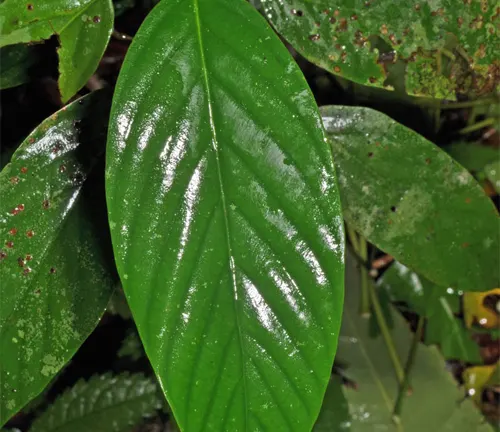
[[83, 29], [131, 346], [228, 236], [334, 415], [56, 263], [16, 61], [410, 199], [102, 404], [437, 42], [477, 378], [435, 404], [478, 311], [438, 305]]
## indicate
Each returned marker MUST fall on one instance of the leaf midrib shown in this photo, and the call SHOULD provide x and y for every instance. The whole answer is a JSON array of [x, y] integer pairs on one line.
[[215, 147]]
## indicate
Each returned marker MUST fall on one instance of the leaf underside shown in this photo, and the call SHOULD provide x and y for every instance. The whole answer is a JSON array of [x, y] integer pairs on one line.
[[413, 201]]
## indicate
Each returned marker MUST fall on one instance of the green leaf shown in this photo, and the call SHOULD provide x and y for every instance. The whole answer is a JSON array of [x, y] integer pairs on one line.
[[334, 415], [438, 306], [437, 41], [472, 156], [410, 199], [102, 404], [131, 346], [56, 263], [436, 403], [228, 236], [16, 61], [83, 28], [492, 172]]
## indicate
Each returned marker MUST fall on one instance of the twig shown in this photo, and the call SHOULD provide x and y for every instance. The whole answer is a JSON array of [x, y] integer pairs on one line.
[[409, 364], [384, 329]]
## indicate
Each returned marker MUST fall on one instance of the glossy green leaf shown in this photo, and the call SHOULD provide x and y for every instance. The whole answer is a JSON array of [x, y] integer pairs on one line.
[[56, 263], [83, 28], [334, 415], [410, 199], [15, 62], [228, 236], [102, 404], [439, 306], [361, 39], [435, 404]]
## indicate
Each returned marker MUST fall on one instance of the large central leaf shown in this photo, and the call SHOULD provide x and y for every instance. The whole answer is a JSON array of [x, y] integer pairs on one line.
[[225, 218]]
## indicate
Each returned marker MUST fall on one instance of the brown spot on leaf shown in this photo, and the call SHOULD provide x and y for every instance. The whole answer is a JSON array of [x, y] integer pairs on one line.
[[31, 140], [14, 180], [29, 6], [370, 154], [336, 69], [9, 244], [333, 20], [24, 170], [417, 7], [342, 25], [297, 12], [3, 255], [96, 19], [29, 257], [354, 17], [52, 270], [13, 231], [46, 204], [20, 262], [383, 29], [467, 200], [62, 168], [26, 271], [314, 37], [465, 245], [30, 233], [460, 21], [428, 161]]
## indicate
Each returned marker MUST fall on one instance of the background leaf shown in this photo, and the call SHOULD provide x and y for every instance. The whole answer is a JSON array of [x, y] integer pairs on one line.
[[83, 29], [334, 415], [56, 262], [16, 61], [102, 404], [439, 306], [435, 404], [411, 200], [229, 238], [360, 40]]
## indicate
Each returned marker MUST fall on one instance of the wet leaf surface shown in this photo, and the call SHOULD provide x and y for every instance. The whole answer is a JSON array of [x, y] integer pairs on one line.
[[410, 199], [228, 238], [56, 263], [82, 27], [435, 402], [360, 40], [439, 305]]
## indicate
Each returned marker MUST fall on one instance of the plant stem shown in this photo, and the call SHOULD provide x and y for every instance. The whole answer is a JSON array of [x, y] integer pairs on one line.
[[364, 306], [384, 329], [476, 126], [409, 363]]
